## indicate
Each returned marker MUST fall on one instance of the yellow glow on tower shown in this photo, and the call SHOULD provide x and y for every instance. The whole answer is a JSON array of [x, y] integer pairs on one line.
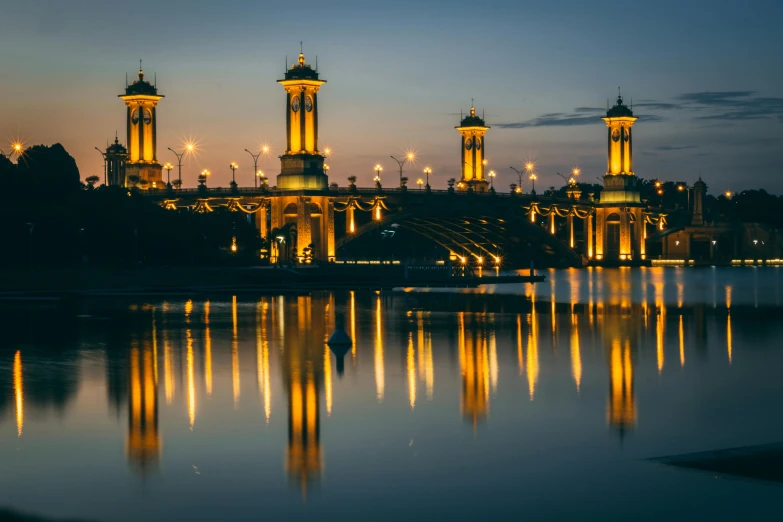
[[472, 131], [141, 99], [619, 121]]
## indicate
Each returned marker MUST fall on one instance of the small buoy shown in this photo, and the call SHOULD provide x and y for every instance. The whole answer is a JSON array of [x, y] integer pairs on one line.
[[340, 343]]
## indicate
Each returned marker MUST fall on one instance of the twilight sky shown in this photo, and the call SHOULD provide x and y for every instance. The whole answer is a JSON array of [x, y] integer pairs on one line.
[[704, 76]]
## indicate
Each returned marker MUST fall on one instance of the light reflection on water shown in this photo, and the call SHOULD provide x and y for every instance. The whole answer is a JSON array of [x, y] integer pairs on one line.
[[620, 365]]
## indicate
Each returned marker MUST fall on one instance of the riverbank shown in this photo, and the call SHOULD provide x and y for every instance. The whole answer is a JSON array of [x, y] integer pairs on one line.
[[96, 282]]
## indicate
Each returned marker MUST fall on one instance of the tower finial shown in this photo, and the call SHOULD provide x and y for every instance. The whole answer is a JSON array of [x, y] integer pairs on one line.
[[472, 108], [301, 55], [619, 96], [141, 71]]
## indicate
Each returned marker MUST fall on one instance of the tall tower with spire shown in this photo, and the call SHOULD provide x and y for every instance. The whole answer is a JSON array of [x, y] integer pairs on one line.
[[116, 156], [303, 200], [141, 99], [302, 164], [472, 130], [619, 227]]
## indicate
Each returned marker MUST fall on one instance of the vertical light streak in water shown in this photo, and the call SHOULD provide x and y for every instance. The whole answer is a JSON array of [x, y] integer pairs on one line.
[[411, 372], [532, 352], [207, 352], [590, 274], [154, 347], [353, 326], [659, 334], [235, 352], [191, 381], [420, 345], [461, 338], [682, 343], [19, 392], [576, 356], [328, 379], [188, 310], [520, 357], [429, 374], [554, 314], [168, 368], [493, 360], [262, 355], [379, 364], [728, 335]]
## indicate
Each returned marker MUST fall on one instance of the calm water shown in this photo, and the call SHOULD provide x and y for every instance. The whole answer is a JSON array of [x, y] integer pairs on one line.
[[504, 402]]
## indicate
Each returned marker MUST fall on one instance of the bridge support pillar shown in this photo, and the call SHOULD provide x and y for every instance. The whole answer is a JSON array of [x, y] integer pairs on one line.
[[641, 233], [600, 224], [552, 228], [571, 230], [350, 223], [304, 234], [261, 222], [589, 237]]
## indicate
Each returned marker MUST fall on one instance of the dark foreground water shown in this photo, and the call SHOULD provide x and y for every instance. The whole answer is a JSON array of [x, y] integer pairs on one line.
[[498, 403]]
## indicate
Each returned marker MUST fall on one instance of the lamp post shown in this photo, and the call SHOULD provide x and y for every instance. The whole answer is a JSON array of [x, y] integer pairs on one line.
[[533, 179], [528, 167], [427, 172], [167, 167], [233, 166], [420, 183], [188, 148], [686, 189], [409, 156], [378, 170], [264, 150], [103, 155], [492, 180]]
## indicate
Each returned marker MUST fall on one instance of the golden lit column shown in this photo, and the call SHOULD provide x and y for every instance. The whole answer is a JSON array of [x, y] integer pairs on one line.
[[141, 99], [304, 223], [143, 443], [327, 222], [589, 236], [600, 226], [350, 223], [472, 131], [621, 190], [261, 220], [302, 164], [571, 230]]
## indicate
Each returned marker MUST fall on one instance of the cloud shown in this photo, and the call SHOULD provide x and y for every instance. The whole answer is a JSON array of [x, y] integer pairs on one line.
[[656, 105], [733, 105]]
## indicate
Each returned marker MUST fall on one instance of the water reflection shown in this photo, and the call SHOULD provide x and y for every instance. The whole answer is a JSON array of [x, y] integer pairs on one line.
[[488, 351]]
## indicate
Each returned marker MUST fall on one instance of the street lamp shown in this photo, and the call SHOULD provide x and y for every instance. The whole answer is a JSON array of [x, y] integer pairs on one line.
[[427, 172], [533, 179], [189, 148], [528, 168], [260, 177], [233, 166], [492, 180], [378, 170], [686, 188], [103, 155], [202, 178], [409, 156], [264, 151], [420, 183], [167, 167]]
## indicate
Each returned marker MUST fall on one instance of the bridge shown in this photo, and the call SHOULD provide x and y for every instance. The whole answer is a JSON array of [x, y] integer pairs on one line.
[[472, 228], [306, 218]]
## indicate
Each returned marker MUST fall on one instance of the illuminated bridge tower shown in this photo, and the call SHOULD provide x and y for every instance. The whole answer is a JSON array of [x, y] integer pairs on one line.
[[302, 167], [472, 130], [141, 98], [619, 219]]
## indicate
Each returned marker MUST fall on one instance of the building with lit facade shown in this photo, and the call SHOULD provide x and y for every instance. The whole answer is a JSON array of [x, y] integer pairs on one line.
[[472, 130], [619, 216], [302, 178], [141, 99]]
